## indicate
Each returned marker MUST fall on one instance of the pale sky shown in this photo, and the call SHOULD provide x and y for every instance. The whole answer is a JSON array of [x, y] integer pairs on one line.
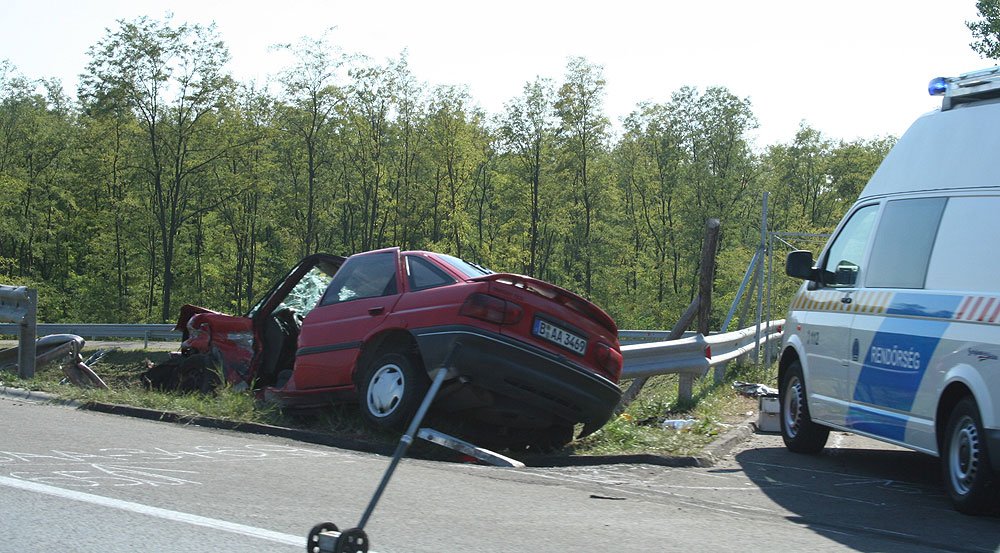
[[850, 68]]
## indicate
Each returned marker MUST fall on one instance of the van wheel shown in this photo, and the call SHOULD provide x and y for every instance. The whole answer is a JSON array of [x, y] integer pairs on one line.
[[965, 460], [391, 389], [798, 431]]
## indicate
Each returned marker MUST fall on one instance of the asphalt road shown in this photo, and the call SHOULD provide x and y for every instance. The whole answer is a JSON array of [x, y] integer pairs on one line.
[[80, 481]]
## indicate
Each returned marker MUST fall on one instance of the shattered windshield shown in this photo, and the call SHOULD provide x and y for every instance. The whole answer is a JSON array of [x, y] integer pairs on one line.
[[303, 297], [308, 291]]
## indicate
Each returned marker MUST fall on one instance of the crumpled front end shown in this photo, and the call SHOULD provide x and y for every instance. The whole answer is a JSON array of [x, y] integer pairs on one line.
[[228, 340]]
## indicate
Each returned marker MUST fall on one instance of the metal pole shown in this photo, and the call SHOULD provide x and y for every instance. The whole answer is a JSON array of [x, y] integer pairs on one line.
[[760, 281], [407, 439], [26, 338], [770, 280], [739, 293]]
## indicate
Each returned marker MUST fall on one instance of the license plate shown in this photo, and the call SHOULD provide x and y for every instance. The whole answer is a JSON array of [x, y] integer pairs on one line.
[[559, 336]]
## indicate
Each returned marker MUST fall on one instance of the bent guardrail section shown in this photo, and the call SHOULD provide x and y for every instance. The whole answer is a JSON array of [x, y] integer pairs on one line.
[[688, 355]]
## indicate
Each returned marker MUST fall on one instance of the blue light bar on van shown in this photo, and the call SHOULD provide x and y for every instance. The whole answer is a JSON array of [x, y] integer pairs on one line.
[[938, 86], [972, 84]]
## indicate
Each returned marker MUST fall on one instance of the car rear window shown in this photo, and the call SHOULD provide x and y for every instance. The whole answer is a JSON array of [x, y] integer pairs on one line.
[[470, 270]]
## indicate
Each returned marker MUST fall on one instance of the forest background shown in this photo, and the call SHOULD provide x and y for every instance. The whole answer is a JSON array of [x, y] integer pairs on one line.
[[165, 181]]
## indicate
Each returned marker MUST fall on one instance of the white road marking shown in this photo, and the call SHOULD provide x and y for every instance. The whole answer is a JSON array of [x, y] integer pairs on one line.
[[157, 512]]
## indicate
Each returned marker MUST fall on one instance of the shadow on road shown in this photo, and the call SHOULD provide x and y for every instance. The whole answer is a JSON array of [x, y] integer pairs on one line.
[[863, 498]]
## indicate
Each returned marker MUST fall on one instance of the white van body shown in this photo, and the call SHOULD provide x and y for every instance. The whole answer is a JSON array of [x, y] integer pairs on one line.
[[899, 320]]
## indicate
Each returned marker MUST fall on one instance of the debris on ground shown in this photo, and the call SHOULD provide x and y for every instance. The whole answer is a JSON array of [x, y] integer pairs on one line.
[[747, 389], [678, 424], [183, 373], [63, 349]]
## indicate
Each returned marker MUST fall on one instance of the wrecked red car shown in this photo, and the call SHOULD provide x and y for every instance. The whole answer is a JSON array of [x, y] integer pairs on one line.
[[529, 358]]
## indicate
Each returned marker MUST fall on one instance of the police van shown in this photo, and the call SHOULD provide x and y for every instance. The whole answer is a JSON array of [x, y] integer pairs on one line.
[[895, 333]]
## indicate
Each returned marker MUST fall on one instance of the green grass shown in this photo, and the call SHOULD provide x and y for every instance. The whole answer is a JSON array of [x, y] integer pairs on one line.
[[714, 408]]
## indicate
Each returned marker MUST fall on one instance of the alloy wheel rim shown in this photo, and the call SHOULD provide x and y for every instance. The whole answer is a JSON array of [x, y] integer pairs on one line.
[[385, 390]]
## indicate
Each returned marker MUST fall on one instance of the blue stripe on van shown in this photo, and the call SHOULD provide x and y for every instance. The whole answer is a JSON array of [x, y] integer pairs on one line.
[[887, 425], [893, 369], [924, 305]]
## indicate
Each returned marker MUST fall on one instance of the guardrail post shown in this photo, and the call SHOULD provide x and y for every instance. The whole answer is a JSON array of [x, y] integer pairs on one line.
[[26, 342], [19, 305]]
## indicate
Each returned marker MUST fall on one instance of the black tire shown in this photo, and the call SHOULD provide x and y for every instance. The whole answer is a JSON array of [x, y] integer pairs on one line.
[[539, 440], [557, 436], [390, 390], [965, 460], [798, 431]]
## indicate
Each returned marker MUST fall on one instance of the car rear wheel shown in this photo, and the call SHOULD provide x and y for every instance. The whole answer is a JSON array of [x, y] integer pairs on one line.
[[391, 390], [798, 431], [965, 460]]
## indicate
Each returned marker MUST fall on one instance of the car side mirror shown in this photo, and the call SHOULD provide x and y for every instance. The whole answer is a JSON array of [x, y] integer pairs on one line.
[[799, 264]]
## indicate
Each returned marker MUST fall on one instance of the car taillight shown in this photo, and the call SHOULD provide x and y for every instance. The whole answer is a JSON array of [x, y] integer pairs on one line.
[[492, 309], [609, 360]]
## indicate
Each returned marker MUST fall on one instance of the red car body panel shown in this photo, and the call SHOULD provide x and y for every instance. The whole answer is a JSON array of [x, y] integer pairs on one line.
[[527, 352]]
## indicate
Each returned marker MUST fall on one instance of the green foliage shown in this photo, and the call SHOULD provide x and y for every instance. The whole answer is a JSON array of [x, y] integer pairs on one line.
[[168, 183], [986, 30]]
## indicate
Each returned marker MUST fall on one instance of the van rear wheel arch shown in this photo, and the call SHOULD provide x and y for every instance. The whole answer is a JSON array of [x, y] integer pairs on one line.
[[954, 393]]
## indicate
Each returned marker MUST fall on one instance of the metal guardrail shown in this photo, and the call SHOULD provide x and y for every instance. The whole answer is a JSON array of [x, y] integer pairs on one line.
[[146, 332], [689, 355], [645, 352], [646, 336], [19, 305]]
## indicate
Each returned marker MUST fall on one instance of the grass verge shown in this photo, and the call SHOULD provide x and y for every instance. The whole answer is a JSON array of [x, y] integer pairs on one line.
[[642, 429]]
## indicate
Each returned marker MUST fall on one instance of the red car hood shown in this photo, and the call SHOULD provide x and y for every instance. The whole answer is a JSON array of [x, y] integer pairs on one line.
[[189, 311], [557, 294]]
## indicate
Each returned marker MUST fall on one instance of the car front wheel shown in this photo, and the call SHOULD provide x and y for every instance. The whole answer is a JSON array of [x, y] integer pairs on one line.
[[391, 390], [798, 431], [965, 460]]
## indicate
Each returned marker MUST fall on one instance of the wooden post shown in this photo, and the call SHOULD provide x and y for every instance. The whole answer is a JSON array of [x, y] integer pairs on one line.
[[709, 247], [633, 390]]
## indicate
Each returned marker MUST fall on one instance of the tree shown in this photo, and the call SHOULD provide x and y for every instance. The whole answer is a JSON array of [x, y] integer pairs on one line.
[[583, 133], [986, 30], [527, 131], [311, 98], [652, 170], [172, 78], [36, 132]]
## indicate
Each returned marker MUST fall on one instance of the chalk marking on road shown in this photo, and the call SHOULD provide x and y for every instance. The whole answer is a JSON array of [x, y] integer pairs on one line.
[[709, 508], [659, 491], [857, 479], [843, 498], [890, 532], [157, 512]]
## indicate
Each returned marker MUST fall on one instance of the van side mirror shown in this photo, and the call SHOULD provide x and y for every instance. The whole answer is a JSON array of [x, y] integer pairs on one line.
[[847, 273], [799, 264]]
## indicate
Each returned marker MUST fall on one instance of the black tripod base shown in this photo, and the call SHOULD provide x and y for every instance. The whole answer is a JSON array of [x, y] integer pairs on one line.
[[326, 538]]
